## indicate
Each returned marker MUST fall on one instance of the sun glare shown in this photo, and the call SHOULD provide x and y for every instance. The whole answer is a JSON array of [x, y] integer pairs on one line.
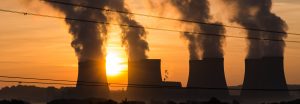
[[114, 64], [116, 58]]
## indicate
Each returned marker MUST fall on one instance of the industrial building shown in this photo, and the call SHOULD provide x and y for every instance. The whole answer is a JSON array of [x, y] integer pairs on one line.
[[172, 90]]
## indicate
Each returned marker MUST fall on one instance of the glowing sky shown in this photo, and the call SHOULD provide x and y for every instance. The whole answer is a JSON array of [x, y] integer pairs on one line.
[[40, 47]]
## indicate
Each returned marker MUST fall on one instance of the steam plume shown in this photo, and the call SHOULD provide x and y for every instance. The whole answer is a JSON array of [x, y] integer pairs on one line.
[[132, 38], [211, 46], [88, 38], [257, 14], [270, 21]]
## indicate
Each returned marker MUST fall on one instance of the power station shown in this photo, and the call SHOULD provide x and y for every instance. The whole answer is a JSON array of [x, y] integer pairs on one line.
[[206, 79], [92, 80], [205, 75]]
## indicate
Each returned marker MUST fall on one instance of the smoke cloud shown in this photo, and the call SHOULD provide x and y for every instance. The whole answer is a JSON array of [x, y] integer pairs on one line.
[[257, 14], [133, 38], [89, 38], [211, 46], [270, 21]]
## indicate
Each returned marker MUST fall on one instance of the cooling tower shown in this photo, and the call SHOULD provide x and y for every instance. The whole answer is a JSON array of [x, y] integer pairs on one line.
[[265, 73], [92, 80], [142, 77], [207, 73]]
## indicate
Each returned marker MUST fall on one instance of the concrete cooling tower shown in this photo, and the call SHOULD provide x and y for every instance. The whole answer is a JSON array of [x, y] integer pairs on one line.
[[265, 73], [145, 74], [92, 80], [207, 73]]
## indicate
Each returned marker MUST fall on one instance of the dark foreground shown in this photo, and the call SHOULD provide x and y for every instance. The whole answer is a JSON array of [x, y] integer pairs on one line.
[[51, 95], [102, 101]]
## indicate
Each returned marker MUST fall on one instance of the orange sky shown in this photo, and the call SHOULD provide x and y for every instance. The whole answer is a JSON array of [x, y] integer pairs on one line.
[[40, 47]]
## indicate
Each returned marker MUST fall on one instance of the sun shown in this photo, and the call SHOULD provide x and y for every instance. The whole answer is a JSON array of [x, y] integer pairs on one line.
[[115, 64]]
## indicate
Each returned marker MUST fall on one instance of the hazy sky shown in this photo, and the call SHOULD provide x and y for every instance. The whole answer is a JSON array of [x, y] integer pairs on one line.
[[40, 47]]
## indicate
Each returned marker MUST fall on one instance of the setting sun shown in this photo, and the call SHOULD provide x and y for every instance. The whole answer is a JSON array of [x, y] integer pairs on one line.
[[116, 61], [114, 64], [116, 58]]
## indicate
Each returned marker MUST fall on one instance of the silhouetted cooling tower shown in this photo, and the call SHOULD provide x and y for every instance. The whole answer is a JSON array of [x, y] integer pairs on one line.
[[207, 73], [145, 74], [92, 71], [266, 73]]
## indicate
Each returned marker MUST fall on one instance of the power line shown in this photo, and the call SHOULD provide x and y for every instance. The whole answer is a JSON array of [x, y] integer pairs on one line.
[[41, 79], [53, 83], [69, 81], [141, 86], [135, 26], [35, 82], [135, 86], [167, 18], [80, 82]]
